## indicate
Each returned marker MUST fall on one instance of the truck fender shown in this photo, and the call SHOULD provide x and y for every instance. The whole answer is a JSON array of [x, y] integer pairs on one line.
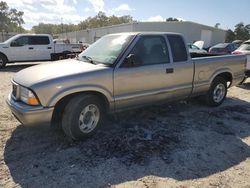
[[80, 89], [1, 53], [218, 72]]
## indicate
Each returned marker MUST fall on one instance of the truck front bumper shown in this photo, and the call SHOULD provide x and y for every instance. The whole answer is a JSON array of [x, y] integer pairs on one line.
[[29, 115]]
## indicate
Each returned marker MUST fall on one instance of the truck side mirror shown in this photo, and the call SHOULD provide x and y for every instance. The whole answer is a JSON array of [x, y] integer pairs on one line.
[[132, 61]]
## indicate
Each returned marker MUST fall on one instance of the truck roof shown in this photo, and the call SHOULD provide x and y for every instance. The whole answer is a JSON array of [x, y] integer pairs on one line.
[[32, 34]]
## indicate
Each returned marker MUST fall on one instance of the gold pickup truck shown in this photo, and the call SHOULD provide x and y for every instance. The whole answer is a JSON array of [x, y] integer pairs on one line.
[[119, 72]]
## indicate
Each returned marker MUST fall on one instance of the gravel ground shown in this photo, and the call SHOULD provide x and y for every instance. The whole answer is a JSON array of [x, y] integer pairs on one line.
[[183, 144]]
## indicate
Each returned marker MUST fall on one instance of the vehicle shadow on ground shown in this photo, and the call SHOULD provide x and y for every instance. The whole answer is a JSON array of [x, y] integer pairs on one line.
[[16, 67], [182, 141], [245, 85]]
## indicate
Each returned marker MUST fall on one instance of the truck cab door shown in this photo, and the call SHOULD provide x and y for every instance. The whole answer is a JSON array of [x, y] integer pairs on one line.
[[21, 50], [145, 75], [42, 47], [183, 67]]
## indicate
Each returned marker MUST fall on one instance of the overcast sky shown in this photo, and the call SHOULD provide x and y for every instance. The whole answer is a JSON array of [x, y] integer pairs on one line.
[[209, 12]]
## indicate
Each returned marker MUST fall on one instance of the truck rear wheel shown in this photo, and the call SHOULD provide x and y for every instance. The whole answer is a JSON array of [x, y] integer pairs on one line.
[[217, 92], [82, 116], [3, 61]]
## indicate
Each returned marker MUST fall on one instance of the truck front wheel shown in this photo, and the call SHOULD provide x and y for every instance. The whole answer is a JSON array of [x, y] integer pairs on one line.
[[3, 61], [217, 92], [82, 116]]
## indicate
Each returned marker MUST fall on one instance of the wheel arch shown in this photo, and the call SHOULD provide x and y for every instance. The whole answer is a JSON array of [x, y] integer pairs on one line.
[[1, 53], [62, 102], [227, 75]]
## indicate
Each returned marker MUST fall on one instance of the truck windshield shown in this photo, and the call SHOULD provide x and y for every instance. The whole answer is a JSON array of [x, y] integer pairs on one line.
[[106, 49]]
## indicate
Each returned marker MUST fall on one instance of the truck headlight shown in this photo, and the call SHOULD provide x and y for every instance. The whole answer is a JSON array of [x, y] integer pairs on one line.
[[28, 97]]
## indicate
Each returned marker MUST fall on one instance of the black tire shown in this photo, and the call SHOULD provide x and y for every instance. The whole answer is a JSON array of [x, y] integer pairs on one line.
[[3, 61], [217, 92], [54, 57], [56, 126], [74, 111]]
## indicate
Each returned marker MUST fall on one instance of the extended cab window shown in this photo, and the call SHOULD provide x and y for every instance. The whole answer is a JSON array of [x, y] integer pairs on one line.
[[151, 50], [39, 40], [178, 48]]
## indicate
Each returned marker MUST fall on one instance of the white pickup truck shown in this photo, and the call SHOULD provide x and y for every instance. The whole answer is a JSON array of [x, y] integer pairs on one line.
[[34, 47]]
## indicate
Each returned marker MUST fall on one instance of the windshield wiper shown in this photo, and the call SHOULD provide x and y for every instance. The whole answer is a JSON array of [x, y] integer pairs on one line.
[[89, 59]]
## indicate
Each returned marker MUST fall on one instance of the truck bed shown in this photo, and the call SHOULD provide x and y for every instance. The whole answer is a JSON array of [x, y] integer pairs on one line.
[[205, 67]]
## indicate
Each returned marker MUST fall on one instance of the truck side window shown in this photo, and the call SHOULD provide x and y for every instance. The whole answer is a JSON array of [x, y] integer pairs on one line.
[[151, 50], [39, 40], [178, 48], [22, 41]]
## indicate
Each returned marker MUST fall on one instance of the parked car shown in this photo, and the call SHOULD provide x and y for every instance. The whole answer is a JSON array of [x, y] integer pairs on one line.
[[34, 47], [119, 72], [222, 48], [245, 49], [237, 43], [195, 49]]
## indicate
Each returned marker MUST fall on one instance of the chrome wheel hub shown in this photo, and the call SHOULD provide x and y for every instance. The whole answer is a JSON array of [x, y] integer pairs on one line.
[[89, 118], [219, 93]]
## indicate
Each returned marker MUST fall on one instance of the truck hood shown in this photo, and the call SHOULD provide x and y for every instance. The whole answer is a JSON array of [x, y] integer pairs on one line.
[[2, 44], [47, 71], [199, 44]]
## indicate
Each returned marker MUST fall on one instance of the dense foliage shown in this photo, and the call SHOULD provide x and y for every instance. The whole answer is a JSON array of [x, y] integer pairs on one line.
[[241, 32], [100, 20], [10, 19], [170, 19]]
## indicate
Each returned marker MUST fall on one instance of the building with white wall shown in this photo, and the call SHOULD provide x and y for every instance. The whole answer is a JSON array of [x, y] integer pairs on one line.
[[192, 31]]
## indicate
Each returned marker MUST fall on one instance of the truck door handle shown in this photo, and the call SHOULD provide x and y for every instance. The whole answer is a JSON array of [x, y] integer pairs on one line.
[[49, 48], [31, 48], [169, 70]]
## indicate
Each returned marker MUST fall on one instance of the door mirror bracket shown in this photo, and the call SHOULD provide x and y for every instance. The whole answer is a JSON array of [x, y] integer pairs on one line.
[[132, 61]]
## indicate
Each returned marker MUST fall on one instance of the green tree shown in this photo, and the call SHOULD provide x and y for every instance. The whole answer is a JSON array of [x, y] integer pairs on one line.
[[241, 32], [53, 28], [170, 19], [10, 19], [247, 27], [230, 36], [217, 25], [100, 20]]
